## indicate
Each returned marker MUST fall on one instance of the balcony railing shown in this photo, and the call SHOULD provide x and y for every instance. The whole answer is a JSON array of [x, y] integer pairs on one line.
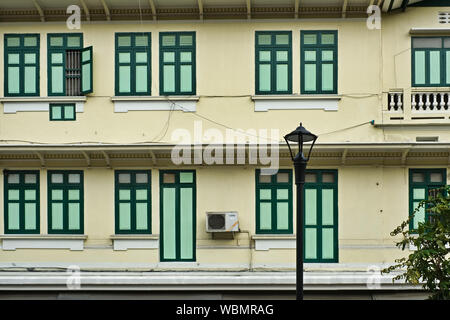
[[430, 101], [417, 105]]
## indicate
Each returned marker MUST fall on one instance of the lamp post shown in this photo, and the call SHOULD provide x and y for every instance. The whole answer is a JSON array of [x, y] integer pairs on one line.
[[300, 135]]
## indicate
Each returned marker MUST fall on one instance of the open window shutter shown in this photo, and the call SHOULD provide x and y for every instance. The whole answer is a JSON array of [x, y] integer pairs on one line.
[[86, 70]]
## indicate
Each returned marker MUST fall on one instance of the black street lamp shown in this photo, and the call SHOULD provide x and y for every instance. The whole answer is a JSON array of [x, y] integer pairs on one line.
[[300, 135]]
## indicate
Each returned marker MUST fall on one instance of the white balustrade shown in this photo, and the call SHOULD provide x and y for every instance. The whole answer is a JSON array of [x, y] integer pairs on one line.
[[395, 100], [430, 102]]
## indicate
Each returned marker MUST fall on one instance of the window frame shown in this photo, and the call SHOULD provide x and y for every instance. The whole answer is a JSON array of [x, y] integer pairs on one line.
[[273, 48], [21, 50], [132, 186], [61, 49], [65, 186], [318, 48], [177, 185], [319, 185], [442, 63], [22, 186], [132, 49], [177, 63], [274, 186], [427, 185], [63, 106]]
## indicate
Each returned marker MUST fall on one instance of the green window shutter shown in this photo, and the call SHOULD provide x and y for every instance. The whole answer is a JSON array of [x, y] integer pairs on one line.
[[21, 202], [273, 62], [133, 201], [177, 215], [320, 216], [274, 202], [65, 202], [21, 64], [422, 182], [177, 63], [65, 65], [318, 57], [86, 70], [133, 64]]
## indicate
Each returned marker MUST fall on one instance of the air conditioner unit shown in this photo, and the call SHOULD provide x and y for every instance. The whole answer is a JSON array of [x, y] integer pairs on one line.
[[222, 221]]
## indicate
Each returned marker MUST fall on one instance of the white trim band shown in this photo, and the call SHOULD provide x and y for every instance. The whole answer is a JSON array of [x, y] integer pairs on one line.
[[296, 103], [33, 106]]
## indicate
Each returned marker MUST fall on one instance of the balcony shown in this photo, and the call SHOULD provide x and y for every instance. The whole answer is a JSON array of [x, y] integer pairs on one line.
[[417, 105]]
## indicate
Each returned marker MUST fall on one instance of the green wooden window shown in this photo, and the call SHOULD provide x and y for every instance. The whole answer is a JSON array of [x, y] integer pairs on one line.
[[320, 234], [133, 63], [70, 66], [273, 62], [430, 61], [65, 202], [422, 182], [178, 215], [133, 201], [177, 63], [21, 201], [318, 62], [62, 112], [21, 64], [274, 202]]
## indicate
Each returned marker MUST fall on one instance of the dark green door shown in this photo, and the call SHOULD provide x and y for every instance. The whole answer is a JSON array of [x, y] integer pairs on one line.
[[178, 215]]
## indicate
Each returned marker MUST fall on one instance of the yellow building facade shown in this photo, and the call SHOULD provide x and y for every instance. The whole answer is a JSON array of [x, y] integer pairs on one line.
[[118, 137]]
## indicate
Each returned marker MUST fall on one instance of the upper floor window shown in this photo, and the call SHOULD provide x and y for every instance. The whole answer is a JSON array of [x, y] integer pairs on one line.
[[177, 63], [21, 201], [21, 65], [273, 67], [430, 61], [69, 65], [318, 62], [133, 75]]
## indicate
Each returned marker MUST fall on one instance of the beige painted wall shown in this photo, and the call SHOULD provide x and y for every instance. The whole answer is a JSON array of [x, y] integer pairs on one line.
[[372, 200]]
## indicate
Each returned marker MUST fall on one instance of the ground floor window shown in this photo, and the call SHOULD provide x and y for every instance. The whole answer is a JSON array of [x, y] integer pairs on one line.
[[21, 201], [177, 215], [321, 216], [422, 183], [274, 202], [65, 202], [133, 201]]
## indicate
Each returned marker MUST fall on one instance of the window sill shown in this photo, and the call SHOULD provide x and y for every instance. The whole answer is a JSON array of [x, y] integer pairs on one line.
[[429, 31], [154, 103], [33, 104], [124, 242], [418, 89], [38, 241], [276, 241], [325, 102]]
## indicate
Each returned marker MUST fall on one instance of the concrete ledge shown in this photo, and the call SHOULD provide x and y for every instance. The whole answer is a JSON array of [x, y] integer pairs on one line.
[[296, 102], [34, 104], [267, 242], [198, 281], [71, 242], [125, 242]]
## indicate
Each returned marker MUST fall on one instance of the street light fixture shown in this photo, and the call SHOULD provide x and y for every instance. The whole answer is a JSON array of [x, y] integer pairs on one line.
[[300, 135]]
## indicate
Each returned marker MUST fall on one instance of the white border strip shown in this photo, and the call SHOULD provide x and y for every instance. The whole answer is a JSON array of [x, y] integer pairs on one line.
[[25, 106]]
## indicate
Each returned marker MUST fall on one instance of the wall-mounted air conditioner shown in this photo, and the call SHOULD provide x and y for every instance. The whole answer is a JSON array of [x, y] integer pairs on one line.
[[222, 221]]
